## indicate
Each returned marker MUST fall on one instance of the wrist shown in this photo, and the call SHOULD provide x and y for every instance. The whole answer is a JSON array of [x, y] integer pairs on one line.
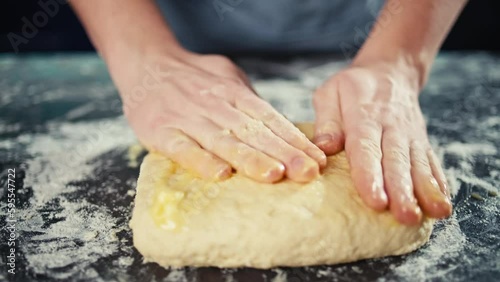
[[413, 67], [129, 66], [134, 54]]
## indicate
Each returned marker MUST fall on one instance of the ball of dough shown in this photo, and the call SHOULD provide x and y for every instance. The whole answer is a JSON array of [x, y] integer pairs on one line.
[[181, 220]]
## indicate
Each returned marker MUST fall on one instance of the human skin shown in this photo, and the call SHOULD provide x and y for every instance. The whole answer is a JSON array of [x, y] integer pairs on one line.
[[371, 110], [201, 111]]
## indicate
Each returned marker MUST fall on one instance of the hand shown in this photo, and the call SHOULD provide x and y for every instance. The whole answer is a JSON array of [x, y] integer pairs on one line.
[[201, 111], [373, 112]]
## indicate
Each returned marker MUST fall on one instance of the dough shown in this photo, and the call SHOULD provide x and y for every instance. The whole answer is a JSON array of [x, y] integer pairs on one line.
[[181, 220]]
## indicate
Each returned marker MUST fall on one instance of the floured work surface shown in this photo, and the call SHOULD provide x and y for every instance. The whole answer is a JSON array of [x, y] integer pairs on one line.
[[75, 189]]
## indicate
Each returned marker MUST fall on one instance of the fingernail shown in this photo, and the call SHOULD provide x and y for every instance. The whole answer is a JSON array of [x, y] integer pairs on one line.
[[311, 171], [442, 209], [274, 174], [323, 139], [306, 168], [437, 194], [434, 183], [446, 191], [223, 172], [379, 198], [381, 195], [323, 161], [411, 214]]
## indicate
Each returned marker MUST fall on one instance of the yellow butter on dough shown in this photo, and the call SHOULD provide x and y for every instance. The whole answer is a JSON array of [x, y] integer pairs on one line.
[[181, 220]]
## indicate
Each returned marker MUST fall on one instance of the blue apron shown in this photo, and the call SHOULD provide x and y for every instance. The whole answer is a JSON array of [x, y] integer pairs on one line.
[[229, 26]]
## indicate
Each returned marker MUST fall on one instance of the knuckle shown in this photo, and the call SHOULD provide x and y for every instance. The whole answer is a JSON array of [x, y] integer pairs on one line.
[[326, 91], [233, 87], [320, 94], [253, 131], [221, 61], [330, 126], [219, 90], [418, 155], [247, 103], [430, 152], [235, 91], [402, 182], [298, 139], [219, 138], [371, 147], [365, 127], [245, 152], [367, 146], [318, 98], [238, 87], [332, 85], [161, 121], [270, 117], [219, 58], [420, 161], [397, 155], [177, 142]]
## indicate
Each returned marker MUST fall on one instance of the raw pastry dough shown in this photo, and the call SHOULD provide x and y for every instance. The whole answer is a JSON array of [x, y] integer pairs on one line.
[[181, 220]]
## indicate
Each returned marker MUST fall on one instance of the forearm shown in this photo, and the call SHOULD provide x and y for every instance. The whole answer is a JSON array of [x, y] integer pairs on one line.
[[125, 29], [410, 33]]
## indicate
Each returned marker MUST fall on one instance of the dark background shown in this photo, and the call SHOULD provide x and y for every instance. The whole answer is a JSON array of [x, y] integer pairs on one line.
[[478, 28]]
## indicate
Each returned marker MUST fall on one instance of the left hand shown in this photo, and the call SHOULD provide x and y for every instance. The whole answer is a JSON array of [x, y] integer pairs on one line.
[[373, 111]]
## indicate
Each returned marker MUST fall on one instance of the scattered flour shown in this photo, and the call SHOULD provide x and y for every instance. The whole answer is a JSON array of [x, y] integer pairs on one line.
[[464, 150], [424, 264], [176, 275], [73, 244], [67, 236], [281, 276], [81, 233]]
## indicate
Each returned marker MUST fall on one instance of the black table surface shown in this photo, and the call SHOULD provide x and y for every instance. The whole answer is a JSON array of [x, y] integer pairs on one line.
[[65, 142]]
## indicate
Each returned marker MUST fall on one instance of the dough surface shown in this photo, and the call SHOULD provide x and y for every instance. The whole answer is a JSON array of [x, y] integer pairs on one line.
[[181, 220]]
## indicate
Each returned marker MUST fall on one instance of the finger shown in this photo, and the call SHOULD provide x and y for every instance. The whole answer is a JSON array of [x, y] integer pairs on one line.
[[437, 171], [183, 150], [397, 178], [365, 156], [299, 166], [328, 135], [429, 195], [242, 157], [256, 108]]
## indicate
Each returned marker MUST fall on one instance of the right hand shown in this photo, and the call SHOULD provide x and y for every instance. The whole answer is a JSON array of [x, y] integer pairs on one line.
[[200, 111]]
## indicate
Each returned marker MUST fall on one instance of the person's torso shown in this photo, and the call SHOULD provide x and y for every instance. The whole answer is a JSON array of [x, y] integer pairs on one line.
[[270, 26]]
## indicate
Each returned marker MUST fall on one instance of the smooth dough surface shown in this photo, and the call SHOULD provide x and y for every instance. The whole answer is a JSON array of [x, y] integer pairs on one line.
[[181, 220]]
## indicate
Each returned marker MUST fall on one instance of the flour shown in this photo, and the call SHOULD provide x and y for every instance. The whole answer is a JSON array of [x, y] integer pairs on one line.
[[298, 107], [176, 275], [448, 241], [61, 155], [465, 150], [67, 244], [81, 233], [281, 276], [70, 235]]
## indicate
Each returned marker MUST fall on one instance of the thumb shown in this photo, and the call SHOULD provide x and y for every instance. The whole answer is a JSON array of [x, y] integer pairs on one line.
[[328, 133]]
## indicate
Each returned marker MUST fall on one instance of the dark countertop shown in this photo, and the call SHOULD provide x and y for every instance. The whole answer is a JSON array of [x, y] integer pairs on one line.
[[62, 131]]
